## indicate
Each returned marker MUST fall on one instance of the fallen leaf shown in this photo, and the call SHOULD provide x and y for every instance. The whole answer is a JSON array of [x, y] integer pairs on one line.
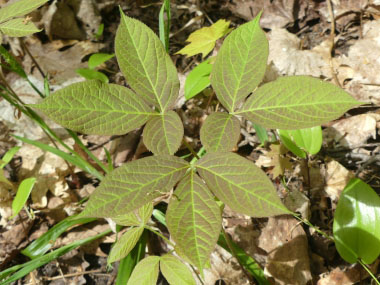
[[203, 40], [336, 178], [275, 158]]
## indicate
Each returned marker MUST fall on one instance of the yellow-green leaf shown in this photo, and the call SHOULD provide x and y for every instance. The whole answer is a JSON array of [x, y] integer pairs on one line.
[[175, 272], [163, 133], [22, 195], [194, 219], [145, 272], [137, 217], [125, 244], [145, 64], [18, 28], [240, 64], [240, 184], [94, 107], [220, 132], [134, 184], [203, 40], [19, 8]]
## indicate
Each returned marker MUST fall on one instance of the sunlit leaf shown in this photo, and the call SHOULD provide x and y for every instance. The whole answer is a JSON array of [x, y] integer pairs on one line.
[[145, 64], [203, 40], [91, 74], [299, 141], [163, 133], [93, 107], [22, 195], [98, 58], [19, 8], [194, 219], [220, 132], [137, 217], [356, 223], [146, 272], [12, 63], [134, 184], [198, 79], [18, 28], [175, 272], [125, 244], [240, 184], [296, 102], [240, 64], [7, 157]]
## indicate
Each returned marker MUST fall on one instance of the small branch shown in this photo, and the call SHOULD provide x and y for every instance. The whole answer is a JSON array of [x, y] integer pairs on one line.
[[190, 148], [32, 57]]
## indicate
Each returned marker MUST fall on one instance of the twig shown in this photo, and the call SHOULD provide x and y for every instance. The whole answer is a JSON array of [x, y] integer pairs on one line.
[[32, 57], [366, 163], [71, 275]]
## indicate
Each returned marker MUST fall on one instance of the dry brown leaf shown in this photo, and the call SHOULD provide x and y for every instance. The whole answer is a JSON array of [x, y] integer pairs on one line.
[[285, 241], [275, 157], [336, 178]]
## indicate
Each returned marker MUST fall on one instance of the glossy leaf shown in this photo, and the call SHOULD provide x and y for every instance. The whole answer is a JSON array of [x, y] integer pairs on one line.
[[240, 184], [146, 272], [175, 272], [296, 102], [125, 244], [203, 40], [91, 74], [134, 184], [198, 79], [98, 58], [93, 107], [240, 64], [145, 64], [137, 217], [261, 133], [7, 157], [22, 195], [18, 28], [163, 133], [356, 223], [299, 141], [19, 8], [194, 219], [220, 132]]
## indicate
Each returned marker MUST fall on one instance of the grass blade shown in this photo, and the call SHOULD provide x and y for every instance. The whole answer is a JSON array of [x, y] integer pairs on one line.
[[22, 195]]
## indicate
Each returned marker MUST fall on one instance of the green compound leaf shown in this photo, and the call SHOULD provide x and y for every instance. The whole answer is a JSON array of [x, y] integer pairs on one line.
[[198, 79], [18, 28], [194, 219], [356, 223], [22, 195], [220, 132], [125, 244], [93, 107], [98, 58], [19, 8], [299, 141], [296, 102], [137, 217], [175, 272], [240, 64], [240, 184], [163, 133], [145, 64], [91, 74], [134, 184], [145, 272]]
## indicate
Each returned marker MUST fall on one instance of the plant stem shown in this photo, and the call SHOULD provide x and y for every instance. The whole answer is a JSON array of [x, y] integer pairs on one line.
[[369, 271], [190, 148], [159, 234], [307, 222]]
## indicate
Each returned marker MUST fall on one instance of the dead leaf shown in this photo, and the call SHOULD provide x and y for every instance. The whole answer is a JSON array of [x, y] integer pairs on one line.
[[336, 177], [275, 157]]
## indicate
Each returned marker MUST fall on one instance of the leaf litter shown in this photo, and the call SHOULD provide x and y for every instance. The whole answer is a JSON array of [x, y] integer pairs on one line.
[[292, 53]]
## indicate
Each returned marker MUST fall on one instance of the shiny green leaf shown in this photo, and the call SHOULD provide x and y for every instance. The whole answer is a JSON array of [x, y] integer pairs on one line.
[[299, 141], [125, 244], [356, 223], [7, 157], [198, 79], [145, 64], [22, 195], [175, 272], [146, 272], [93, 107], [134, 184], [220, 132], [240, 184], [18, 28], [138, 217], [163, 133], [296, 102], [194, 219], [240, 64], [19, 8], [98, 58], [91, 74]]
